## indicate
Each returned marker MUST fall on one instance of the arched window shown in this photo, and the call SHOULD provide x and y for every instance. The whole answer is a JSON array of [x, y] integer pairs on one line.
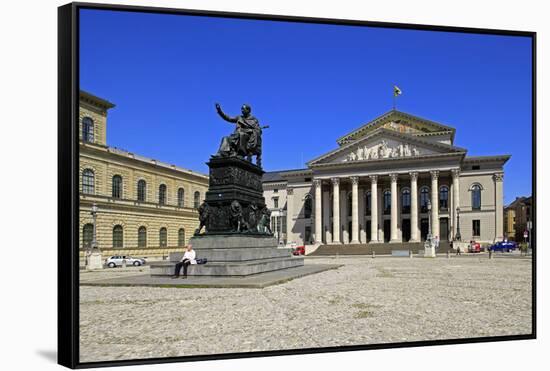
[[387, 202], [181, 194], [424, 199], [197, 200], [162, 194], [308, 206], [117, 186], [181, 237], [141, 190], [476, 197], [444, 198], [118, 236], [142, 237], [88, 182], [87, 235], [87, 129], [406, 201], [163, 237], [367, 203]]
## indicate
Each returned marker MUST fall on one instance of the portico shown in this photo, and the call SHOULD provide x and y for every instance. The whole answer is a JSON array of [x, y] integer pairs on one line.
[[388, 199], [374, 188]]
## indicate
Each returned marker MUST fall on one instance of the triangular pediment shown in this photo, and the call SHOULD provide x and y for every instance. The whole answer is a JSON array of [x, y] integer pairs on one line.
[[400, 122], [384, 144]]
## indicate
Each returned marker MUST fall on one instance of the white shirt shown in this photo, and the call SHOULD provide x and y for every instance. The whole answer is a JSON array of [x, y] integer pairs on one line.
[[190, 255]]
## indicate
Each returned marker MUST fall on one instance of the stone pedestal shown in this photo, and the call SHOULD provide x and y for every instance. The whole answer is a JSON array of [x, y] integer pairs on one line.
[[429, 249], [232, 255], [237, 240], [95, 260]]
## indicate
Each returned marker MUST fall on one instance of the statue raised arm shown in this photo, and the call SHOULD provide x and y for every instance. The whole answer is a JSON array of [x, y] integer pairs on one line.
[[246, 140], [224, 116]]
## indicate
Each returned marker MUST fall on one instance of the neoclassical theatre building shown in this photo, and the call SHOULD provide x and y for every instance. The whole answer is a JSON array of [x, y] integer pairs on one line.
[[388, 182], [145, 206]]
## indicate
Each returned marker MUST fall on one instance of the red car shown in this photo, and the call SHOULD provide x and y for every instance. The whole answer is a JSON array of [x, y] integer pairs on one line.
[[474, 247], [299, 250]]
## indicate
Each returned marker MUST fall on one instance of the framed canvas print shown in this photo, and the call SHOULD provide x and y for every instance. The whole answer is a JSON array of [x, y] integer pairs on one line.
[[244, 185]]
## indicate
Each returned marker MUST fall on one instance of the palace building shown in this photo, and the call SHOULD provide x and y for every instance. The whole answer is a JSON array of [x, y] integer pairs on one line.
[[390, 181], [145, 207]]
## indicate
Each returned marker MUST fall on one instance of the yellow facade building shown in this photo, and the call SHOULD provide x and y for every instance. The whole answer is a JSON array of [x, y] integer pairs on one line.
[[145, 207]]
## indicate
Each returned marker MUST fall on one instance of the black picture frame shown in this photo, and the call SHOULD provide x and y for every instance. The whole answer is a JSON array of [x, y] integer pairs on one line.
[[68, 197]]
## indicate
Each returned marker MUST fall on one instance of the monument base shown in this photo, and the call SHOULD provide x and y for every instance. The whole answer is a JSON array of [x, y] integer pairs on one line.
[[232, 255], [95, 261]]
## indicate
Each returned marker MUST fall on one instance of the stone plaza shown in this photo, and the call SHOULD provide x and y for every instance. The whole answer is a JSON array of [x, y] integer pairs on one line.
[[365, 301]]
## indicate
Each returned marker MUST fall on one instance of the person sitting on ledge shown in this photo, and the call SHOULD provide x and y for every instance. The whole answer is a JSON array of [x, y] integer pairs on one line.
[[187, 259]]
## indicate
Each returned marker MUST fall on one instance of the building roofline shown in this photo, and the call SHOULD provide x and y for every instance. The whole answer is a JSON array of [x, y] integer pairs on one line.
[[96, 100], [380, 118], [142, 159]]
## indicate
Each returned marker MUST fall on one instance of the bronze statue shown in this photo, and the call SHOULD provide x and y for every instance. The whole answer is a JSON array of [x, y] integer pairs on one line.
[[246, 140], [237, 219], [204, 214], [265, 220]]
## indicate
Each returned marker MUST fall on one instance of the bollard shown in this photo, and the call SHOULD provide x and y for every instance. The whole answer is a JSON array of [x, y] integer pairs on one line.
[[490, 254], [410, 254], [373, 254], [123, 263], [448, 254]]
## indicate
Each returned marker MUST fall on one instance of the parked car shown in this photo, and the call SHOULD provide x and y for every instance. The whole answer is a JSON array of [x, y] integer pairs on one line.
[[504, 246], [116, 261], [474, 246], [299, 250]]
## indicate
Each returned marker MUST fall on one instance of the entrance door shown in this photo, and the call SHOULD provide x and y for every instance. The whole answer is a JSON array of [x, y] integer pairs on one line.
[[387, 230], [424, 226], [444, 229], [406, 228]]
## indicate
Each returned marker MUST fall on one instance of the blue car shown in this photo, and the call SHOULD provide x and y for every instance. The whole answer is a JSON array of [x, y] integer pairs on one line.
[[504, 246]]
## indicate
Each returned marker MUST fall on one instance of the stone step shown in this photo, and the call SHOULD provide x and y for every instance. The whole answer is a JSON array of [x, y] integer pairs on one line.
[[378, 248], [241, 268], [236, 254]]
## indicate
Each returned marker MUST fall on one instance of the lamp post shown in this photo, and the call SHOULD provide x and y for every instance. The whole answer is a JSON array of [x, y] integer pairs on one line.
[[94, 219], [457, 237], [94, 257], [429, 246]]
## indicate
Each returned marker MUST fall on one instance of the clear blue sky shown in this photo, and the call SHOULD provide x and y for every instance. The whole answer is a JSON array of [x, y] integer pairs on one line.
[[165, 72]]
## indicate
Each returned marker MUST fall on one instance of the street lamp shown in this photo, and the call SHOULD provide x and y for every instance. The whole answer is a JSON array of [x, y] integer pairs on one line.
[[457, 237], [94, 218]]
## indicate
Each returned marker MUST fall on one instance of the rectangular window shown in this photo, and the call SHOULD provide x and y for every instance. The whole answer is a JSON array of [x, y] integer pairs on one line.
[[275, 190], [276, 202], [476, 227]]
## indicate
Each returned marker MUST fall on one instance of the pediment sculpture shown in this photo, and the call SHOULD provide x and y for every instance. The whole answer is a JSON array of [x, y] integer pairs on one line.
[[382, 150]]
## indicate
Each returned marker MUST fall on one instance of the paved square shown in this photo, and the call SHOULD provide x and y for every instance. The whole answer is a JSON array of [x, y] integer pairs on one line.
[[366, 301]]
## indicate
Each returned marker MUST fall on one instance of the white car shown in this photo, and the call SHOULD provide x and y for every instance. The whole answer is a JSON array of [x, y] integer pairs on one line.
[[116, 261]]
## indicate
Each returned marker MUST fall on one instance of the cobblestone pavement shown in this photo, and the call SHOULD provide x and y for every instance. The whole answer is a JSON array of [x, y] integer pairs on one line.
[[366, 301]]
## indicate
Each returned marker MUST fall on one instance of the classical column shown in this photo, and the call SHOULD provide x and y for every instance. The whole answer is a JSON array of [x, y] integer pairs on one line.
[[373, 209], [354, 210], [435, 203], [499, 199], [415, 235], [289, 223], [393, 234], [318, 213], [335, 210], [456, 197], [362, 232], [326, 217]]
